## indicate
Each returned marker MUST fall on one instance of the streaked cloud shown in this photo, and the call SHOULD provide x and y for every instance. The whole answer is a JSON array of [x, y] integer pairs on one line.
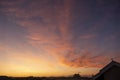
[[60, 32]]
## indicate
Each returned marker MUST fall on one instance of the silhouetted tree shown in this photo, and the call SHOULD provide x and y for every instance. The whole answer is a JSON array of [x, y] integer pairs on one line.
[[76, 76]]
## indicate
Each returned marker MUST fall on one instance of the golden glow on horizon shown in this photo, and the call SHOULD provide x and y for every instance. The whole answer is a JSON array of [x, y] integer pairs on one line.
[[30, 65], [41, 68], [25, 63], [19, 71]]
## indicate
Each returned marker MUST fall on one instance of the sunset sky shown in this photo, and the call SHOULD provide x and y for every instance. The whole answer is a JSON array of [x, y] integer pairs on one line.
[[58, 37]]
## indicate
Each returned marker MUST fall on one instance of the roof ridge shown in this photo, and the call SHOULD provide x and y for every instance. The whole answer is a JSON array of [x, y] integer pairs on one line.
[[112, 63]]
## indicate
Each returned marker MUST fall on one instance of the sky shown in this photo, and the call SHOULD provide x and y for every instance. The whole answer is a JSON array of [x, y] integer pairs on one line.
[[58, 37]]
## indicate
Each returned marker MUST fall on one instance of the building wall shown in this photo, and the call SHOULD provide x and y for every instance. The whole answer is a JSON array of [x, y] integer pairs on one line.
[[100, 78], [112, 74]]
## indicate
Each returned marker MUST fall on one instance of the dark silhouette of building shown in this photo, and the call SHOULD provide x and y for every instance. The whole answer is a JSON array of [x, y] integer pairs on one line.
[[109, 72]]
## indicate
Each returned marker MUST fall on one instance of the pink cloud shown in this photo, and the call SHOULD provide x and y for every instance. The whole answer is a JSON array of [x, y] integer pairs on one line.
[[43, 35], [84, 59]]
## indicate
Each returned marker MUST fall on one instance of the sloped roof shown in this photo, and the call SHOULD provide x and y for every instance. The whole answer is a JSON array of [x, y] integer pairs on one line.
[[107, 67]]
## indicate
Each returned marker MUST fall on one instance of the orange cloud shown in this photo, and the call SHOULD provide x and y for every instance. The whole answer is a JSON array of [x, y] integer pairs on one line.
[[83, 59], [51, 32]]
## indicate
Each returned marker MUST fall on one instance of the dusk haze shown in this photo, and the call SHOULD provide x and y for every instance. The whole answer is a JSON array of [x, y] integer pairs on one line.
[[58, 37]]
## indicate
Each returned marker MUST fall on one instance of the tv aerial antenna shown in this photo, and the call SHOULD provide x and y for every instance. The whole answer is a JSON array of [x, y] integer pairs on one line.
[[112, 59]]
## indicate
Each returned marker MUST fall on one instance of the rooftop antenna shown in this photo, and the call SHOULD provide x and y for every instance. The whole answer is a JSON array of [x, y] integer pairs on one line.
[[117, 57], [112, 59]]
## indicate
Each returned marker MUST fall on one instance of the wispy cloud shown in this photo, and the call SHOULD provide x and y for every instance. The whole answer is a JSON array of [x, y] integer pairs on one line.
[[48, 27]]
